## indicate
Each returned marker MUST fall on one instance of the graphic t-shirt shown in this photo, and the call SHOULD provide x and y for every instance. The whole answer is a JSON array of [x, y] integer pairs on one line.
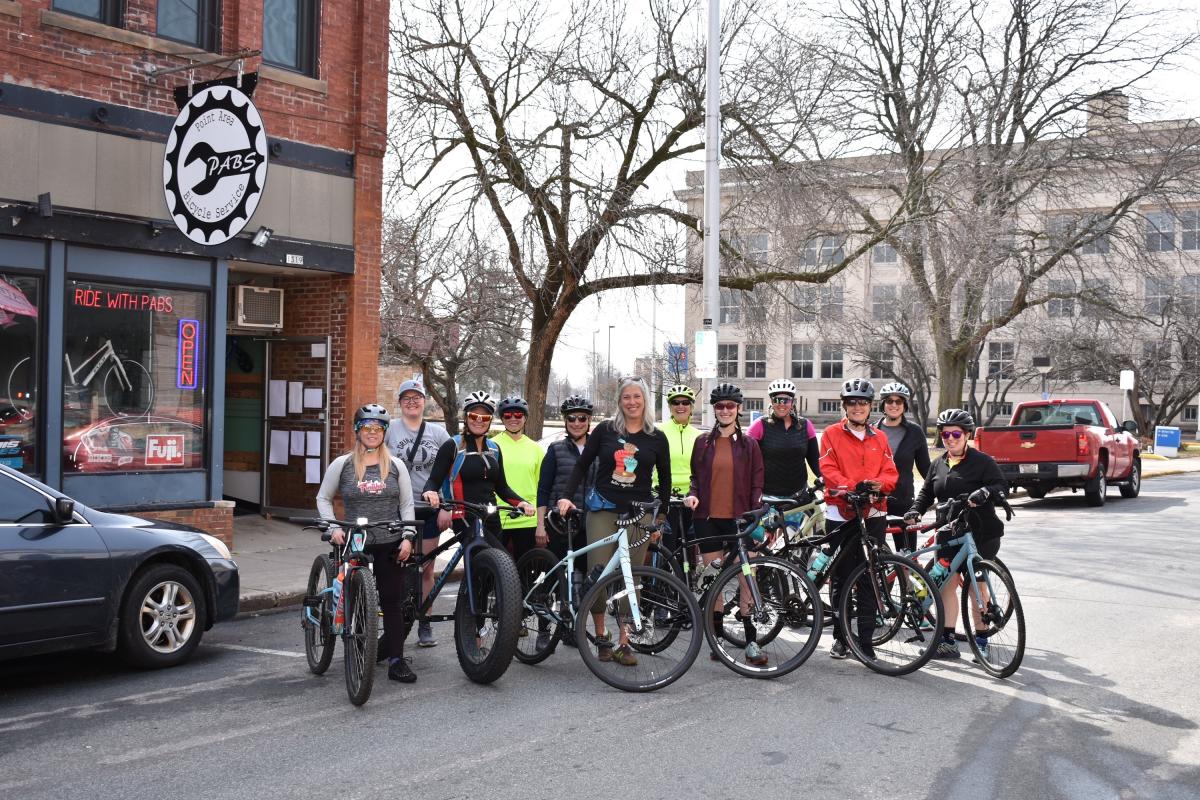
[[400, 442], [627, 463]]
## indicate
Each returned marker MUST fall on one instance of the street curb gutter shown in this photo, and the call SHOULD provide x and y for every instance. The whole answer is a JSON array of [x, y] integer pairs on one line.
[[270, 602]]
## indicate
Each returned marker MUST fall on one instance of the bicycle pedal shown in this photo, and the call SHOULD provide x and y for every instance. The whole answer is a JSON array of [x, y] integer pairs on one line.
[[312, 601]]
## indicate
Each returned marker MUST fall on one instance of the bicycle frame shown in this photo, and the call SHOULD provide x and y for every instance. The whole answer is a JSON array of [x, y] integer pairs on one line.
[[466, 550], [620, 558], [102, 356], [967, 554], [351, 556]]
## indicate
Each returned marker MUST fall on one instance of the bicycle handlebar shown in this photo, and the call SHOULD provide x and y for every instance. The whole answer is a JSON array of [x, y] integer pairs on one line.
[[478, 509]]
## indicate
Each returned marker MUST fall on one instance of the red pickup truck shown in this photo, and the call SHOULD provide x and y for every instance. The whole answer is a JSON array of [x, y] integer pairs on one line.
[[1074, 443]]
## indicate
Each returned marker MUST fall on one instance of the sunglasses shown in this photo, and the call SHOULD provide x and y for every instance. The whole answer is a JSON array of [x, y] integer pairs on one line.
[[782, 400], [475, 416], [856, 401], [725, 406], [577, 418], [893, 401], [952, 434], [681, 401], [512, 415], [371, 427]]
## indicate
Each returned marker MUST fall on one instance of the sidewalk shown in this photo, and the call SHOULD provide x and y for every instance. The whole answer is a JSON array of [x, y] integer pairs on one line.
[[274, 556]]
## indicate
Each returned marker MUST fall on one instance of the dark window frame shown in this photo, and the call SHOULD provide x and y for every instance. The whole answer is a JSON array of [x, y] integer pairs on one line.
[[112, 13], [208, 25], [308, 39]]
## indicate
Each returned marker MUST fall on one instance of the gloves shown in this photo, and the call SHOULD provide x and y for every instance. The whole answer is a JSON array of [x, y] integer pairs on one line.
[[912, 516], [978, 497]]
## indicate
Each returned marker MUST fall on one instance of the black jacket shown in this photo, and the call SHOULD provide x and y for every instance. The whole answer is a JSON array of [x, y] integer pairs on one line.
[[912, 450], [976, 471]]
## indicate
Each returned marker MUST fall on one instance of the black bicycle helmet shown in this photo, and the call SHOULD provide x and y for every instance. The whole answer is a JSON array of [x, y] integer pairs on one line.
[[371, 412], [956, 416], [858, 387], [513, 403], [576, 403], [725, 391]]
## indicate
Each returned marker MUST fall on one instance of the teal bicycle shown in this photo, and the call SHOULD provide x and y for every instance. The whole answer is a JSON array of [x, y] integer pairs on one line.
[[654, 610], [991, 611]]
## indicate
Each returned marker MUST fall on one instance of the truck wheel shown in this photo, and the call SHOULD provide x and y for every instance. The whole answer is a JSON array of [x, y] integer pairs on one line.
[[1036, 492], [1096, 489], [1134, 487]]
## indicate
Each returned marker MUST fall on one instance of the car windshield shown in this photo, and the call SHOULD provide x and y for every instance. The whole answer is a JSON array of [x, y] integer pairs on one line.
[[1064, 414]]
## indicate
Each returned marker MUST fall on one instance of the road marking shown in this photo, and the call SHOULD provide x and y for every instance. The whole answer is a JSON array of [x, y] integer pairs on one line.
[[264, 650]]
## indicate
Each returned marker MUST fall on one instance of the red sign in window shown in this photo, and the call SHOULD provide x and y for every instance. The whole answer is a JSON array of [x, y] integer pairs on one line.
[[165, 450]]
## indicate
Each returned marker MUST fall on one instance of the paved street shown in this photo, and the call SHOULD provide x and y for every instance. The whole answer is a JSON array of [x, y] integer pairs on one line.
[[1106, 705]]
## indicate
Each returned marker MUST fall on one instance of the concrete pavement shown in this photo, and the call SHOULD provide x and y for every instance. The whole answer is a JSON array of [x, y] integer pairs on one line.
[[274, 555]]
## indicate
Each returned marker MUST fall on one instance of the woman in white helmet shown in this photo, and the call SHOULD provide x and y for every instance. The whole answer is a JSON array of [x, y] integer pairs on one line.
[[788, 441], [909, 449]]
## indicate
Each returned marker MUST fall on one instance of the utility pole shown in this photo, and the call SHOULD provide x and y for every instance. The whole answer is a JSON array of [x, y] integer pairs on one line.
[[608, 363], [712, 185], [595, 399]]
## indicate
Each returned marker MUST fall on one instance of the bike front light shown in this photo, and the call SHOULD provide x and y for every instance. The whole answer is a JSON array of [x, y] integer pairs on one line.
[[491, 509]]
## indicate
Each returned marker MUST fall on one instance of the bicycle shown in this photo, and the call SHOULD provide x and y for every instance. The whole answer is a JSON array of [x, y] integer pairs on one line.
[[989, 609], [342, 600], [893, 591], [557, 600], [487, 611], [116, 381]]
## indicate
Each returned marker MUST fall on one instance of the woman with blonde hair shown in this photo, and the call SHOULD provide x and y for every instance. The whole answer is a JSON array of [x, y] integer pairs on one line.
[[628, 449], [374, 484]]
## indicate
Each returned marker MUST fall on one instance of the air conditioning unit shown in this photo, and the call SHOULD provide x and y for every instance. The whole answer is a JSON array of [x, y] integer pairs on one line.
[[259, 307]]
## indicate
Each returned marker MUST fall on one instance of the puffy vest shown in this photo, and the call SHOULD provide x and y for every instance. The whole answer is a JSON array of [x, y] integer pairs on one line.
[[565, 456]]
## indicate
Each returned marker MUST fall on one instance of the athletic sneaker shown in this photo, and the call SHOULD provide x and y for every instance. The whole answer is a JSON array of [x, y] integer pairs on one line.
[[947, 650], [400, 671], [755, 657], [982, 643], [624, 656], [839, 651], [425, 635]]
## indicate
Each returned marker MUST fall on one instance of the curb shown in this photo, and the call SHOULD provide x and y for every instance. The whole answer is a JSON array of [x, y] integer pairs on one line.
[[1167, 472], [269, 602]]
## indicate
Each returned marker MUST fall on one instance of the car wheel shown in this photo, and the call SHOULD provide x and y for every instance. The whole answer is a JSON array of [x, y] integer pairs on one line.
[[1036, 492], [162, 618], [1095, 490], [1133, 487]]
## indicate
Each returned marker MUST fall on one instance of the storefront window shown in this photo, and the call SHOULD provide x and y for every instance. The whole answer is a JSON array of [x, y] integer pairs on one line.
[[134, 378], [19, 359]]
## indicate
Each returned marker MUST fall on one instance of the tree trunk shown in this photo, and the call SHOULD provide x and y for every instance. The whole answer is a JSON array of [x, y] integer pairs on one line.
[[543, 337], [952, 370]]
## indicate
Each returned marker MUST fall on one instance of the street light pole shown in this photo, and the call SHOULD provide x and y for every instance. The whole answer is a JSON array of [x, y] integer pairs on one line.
[[712, 180], [594, 387], [608, 362]]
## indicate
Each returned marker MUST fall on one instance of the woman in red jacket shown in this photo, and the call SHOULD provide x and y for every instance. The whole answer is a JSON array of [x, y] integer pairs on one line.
[[727, 481]]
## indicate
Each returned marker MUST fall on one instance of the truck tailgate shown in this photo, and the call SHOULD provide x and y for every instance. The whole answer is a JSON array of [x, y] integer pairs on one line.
[[1028, 444]]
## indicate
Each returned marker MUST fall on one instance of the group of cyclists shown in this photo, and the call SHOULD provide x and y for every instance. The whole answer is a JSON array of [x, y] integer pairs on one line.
[[602, 471]]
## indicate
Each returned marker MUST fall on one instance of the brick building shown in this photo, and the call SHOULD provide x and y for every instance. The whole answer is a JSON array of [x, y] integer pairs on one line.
[[149, 365]]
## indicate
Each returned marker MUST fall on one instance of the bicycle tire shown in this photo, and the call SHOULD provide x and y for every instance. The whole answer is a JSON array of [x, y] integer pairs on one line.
[[962, 637], [318, 637], [142, 409], [360, 640], [663, 633], [786, 590], [913, 597], [1005, 631], [552, 596], [497, 590], [654, 670]]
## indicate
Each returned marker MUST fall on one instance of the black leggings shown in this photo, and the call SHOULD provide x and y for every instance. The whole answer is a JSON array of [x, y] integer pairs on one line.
[[393, 597], [850, 558], [518, 541]]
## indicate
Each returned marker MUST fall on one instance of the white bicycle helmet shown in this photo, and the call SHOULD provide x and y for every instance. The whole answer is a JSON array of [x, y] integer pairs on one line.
[[896, 388], [781, 386], [479, 399]]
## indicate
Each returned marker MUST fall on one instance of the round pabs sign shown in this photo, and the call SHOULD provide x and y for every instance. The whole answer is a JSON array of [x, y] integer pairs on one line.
[[215, 168]]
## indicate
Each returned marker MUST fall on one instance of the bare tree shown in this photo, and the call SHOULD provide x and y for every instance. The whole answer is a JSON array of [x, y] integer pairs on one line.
[[953, 124], [551, 124], [447, 309]]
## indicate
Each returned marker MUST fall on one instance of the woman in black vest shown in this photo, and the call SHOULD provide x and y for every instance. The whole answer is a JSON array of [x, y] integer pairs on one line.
[[560, 460], [909, 449], [787, 441]]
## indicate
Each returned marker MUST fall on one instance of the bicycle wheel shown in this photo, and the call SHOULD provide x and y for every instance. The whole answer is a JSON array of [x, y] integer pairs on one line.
[[487, 640], [361, 637], [135, 398], [900, 595], [665, 628], [1004, 633], [318, 636], [20, 388], [542, 610], [649, 671], [786, 625]]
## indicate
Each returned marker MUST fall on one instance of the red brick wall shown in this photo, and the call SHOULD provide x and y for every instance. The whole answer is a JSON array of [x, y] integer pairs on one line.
[[79, 64], [216, 521]]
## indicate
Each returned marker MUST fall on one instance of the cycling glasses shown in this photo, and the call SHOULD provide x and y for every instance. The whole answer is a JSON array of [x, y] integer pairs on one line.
[[475, 416], [681, 401], [371, 427], [856, 401], [952, 434], [894, 400], [513, 415], [577, 418], [783, 400], [724, 406]]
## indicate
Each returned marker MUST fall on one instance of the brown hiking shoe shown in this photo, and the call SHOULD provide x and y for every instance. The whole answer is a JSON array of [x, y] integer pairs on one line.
[[604, 648]]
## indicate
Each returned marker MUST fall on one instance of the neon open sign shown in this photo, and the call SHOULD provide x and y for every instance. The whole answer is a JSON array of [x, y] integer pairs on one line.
[[187, 375]]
